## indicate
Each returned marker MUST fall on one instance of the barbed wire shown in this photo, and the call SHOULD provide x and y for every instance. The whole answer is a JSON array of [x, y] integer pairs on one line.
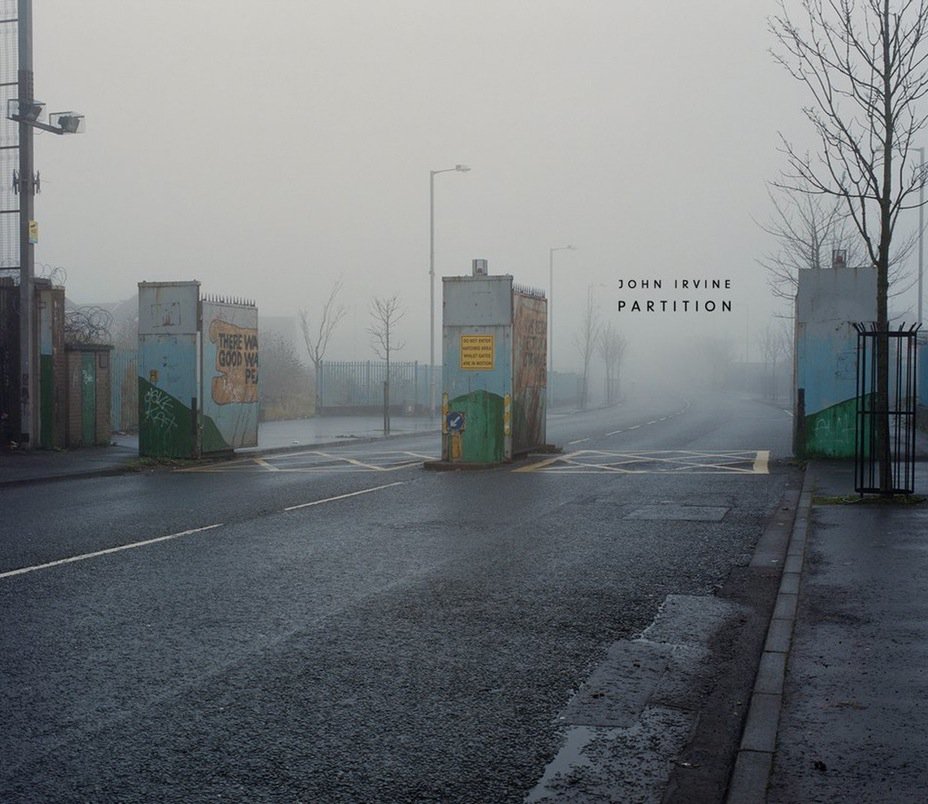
[[88, 324], [58, 274]]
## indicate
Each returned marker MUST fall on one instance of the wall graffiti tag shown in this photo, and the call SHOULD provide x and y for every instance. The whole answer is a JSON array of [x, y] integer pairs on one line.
[[158, 409]]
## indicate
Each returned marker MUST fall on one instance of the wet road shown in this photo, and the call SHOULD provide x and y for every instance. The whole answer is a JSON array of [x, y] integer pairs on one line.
[[341, 625]]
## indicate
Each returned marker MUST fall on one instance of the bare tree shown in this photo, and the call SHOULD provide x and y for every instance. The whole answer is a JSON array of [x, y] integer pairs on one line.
[[775, 342], [806, 229], [385, 315], [317, 339], [866, 68], [809, 231], [585, 341], [611, 346]]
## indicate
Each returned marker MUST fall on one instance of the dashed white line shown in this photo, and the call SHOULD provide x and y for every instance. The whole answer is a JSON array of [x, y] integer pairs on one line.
[[344, 496], [578, 441], [106, 552], [615, 432], [634, 427]]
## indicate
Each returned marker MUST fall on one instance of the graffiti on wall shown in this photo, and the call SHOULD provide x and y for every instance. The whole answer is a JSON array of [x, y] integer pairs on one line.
[[158, 409], [236, 362]]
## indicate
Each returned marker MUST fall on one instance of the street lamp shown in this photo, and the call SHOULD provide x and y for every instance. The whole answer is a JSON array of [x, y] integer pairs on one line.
[[551, 318], [432, 175]]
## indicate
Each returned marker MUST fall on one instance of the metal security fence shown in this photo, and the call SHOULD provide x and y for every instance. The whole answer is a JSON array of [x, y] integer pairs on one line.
[[357, 386], [124, 390], [886, 428]]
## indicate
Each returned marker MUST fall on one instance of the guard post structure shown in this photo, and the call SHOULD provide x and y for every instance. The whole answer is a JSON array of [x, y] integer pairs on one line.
[[494, 349], [198, 372]]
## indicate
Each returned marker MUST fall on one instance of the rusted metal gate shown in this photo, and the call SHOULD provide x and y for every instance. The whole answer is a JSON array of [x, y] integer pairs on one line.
[[898, 410]]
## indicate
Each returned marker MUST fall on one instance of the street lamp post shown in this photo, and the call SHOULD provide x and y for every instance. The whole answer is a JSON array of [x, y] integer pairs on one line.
[[551, 318], [26, 110], [432, 174], [921, 226]]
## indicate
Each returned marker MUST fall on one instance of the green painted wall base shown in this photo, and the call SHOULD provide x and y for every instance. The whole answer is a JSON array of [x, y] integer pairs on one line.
[[482, 440], [166, 427], [830, 432]]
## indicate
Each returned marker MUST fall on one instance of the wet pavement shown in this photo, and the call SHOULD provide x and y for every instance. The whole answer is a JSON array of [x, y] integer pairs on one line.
[[840, 704]]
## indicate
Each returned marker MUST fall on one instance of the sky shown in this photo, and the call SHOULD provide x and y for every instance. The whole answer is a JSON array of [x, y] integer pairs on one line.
[[268, 149]]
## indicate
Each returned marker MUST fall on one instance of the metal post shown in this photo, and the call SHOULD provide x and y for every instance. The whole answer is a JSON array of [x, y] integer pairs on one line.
[[550, 380], [432, 174], [551, 320], [432, 292], [26, 250], [921, 228]]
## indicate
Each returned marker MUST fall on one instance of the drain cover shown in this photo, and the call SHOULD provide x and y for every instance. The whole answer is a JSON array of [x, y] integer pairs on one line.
[[682, 513]]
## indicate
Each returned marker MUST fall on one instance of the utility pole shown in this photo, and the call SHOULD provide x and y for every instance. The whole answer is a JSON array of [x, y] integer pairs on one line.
[[27, 387], [27, 113]]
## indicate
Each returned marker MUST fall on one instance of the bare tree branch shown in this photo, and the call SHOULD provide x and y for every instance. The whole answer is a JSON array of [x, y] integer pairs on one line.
[[317, 341], [585, 341]]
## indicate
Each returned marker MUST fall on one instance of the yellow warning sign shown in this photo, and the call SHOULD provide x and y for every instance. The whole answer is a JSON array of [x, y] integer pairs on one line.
[[477, 352]]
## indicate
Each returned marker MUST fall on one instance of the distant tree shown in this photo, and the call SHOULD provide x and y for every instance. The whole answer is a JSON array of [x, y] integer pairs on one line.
[[284, 381], [775, 342], [611, 346], [385, 315], [865, 65], [317, 337], [585, 340]]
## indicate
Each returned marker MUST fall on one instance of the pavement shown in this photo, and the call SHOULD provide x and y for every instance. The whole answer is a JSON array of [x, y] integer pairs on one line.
[[839, 710]]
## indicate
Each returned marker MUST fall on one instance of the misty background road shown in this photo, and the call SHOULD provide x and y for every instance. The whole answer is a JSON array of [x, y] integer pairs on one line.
[[341, 624]]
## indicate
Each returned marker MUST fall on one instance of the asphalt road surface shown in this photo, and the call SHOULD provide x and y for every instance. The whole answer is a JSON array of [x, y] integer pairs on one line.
[[342, 625]]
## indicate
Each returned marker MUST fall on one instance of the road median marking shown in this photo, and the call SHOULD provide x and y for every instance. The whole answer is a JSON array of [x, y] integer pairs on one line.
[[106, 552], [344, 496]]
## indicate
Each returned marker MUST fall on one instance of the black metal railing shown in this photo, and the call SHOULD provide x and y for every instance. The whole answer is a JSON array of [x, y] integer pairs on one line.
[[884, 451]]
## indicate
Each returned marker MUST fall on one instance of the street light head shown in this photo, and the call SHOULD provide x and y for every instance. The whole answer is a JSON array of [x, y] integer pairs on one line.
[[461, 168], [68, 122], [23, 111]]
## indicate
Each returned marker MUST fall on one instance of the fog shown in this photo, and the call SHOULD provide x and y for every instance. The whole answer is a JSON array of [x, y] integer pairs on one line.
[[269, 149]]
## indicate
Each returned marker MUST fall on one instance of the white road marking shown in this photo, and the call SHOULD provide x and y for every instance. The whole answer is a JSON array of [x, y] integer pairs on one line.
[[615, 432], [659, 461], [762, 462], [263, 463], [344, 496], [634, 427], [578, 441], [106, 552]]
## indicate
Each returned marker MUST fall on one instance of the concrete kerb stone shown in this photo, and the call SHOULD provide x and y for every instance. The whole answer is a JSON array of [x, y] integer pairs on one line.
[[754, 762]]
